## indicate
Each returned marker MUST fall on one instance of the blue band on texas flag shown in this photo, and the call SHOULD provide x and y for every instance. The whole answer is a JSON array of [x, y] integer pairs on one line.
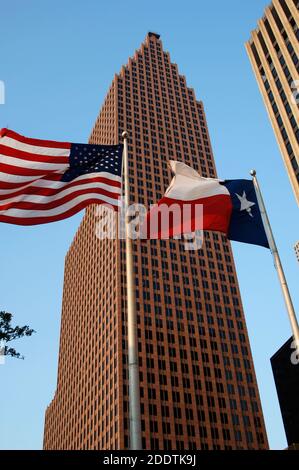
[[245, 223], [229, 206]]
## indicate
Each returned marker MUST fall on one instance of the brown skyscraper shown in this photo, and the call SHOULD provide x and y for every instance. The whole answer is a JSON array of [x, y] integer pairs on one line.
[[197, 380], [274, 54]]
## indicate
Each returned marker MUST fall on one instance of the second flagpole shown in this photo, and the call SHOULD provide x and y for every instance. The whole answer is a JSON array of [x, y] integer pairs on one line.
[[277, 261], [134, 388]]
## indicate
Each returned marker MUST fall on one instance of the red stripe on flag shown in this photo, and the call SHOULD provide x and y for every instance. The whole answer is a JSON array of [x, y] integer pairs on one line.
[[20, 171], [34, 206], [54, 218], [33, 157], [55, 176], [38, 142], [30, 189]]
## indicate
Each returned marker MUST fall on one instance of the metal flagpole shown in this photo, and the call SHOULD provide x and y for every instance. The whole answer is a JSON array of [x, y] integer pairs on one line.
[[134, 389], [277, 261]]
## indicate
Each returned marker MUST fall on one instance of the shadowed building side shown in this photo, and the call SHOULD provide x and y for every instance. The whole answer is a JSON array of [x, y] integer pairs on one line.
[[285, 367]]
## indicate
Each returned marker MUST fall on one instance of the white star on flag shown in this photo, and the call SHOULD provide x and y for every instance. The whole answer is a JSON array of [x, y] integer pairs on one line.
[[245, 204]]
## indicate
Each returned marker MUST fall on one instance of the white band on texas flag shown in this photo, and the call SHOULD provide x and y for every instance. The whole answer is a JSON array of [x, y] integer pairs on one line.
[[228, 206]]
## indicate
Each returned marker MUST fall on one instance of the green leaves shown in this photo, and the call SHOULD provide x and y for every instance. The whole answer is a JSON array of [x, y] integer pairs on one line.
[[9, 333]]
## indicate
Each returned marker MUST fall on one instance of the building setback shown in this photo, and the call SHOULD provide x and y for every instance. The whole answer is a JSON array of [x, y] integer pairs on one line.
[[273, 52], [197, 380]]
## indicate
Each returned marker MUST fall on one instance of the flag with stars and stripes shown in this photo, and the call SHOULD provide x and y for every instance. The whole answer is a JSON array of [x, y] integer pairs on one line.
[[44, 181]]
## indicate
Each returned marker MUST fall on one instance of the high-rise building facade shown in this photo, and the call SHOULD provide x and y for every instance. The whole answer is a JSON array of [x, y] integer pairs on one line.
[[197, 380], [274, 54], [296, 247]]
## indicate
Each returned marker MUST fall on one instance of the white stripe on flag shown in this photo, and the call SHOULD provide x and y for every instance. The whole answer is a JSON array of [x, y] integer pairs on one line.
[[23, 213], [41, 199], [44, 183], [16, 144], [7, 178], [33, 165]]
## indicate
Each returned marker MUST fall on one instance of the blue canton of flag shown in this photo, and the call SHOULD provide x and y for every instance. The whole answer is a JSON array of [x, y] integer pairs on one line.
[[246, 223], [88, 158]]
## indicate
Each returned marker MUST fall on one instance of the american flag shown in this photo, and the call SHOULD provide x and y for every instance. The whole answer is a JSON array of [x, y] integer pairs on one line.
[[44, 181]]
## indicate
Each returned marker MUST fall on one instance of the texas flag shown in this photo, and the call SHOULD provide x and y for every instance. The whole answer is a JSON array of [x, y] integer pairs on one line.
[[226, 206]]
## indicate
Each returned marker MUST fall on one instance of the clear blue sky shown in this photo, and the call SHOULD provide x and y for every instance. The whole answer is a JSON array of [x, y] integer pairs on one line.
[[57, 61]]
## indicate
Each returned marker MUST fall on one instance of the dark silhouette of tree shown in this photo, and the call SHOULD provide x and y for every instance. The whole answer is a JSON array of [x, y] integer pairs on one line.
[[9, 333]]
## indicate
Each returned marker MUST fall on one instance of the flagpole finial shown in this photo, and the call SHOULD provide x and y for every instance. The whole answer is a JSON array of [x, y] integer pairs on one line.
[[124, 135], [253, 172]]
